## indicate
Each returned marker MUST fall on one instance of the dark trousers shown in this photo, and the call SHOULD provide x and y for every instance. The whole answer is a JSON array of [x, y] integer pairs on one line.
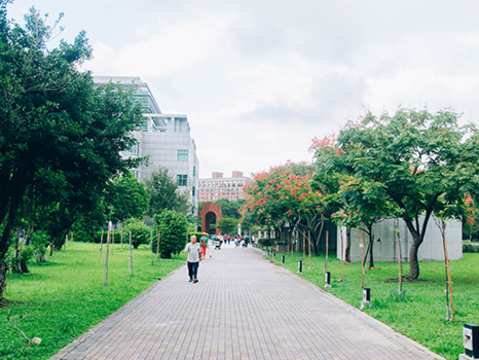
[[193, 270]]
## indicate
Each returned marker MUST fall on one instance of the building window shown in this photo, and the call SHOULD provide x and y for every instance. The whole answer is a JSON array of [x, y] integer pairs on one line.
[[182, 180], [144, 126], [133, 151], [194, 171], [193, 191], [182, 155]]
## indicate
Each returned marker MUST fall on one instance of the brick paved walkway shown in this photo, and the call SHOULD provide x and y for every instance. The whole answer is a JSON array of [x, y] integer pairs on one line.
[[244, 307]]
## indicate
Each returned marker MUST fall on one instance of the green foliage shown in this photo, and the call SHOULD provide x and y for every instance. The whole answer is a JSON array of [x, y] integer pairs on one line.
[[40, 240], [164, 193], [469, 248], [415, 163], [60, 137], [228, 225], [173, 231], [140, 233], [63, 298], [126, 198]]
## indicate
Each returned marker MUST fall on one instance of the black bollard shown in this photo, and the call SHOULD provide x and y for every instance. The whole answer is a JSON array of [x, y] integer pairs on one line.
[[300, 266], [327, 279], [367, 294], [282, 260], [471, 340]]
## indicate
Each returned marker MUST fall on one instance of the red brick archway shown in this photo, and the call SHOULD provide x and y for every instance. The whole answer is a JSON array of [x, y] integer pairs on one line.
[[206, 213]]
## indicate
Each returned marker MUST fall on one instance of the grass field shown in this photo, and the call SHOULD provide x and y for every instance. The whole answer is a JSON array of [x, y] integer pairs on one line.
[[63, 298], [421, 312]]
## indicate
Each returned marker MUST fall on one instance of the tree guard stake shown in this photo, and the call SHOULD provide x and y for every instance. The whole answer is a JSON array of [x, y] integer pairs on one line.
[[105, 271], [101, 242], [342, 255], [130, 256]]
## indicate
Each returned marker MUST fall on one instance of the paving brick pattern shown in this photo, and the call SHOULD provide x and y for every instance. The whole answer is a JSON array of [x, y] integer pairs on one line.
[[243, 307]]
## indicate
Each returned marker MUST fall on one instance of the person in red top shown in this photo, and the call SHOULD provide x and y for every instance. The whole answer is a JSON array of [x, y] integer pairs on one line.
[[204, 245]]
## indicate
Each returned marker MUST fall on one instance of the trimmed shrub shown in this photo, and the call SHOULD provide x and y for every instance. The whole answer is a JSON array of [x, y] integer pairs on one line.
[[266, 242], [470, 248], [140, 233], [173, 229]]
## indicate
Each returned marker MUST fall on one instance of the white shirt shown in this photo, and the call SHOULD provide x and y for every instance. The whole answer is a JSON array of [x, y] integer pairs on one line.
[[193, 252]]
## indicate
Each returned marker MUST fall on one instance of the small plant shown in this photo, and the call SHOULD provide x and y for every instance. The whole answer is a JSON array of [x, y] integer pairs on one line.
[[140, 233]]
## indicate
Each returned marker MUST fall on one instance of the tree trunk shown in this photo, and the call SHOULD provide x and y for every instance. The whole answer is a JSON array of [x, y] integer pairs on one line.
[[417, 239], [3, 278], [413, 261], [347, 250], [371, 243]]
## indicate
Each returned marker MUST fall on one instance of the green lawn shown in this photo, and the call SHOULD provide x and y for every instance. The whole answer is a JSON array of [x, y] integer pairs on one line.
[[420, 314], [64, 297]]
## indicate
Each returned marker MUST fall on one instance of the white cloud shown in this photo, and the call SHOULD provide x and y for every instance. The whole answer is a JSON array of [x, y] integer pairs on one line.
[[167, 52]]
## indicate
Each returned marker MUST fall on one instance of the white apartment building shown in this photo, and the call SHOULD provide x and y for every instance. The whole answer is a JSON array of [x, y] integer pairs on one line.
[[164, 138]]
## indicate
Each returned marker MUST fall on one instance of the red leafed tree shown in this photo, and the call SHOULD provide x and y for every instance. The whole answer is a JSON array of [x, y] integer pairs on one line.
[[283, 194]]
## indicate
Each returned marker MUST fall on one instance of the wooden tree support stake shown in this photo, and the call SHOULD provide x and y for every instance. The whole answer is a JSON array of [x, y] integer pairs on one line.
[[105, 271], [309, 241], [151, 246], [399, 258], [130, 258], [342, 253], [101, 243], [448, 271]]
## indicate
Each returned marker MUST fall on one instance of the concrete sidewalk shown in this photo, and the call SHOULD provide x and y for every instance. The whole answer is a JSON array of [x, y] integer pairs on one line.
[[243, 307]]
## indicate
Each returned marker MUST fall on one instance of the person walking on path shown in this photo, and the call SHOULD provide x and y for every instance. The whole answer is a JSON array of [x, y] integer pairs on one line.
[[204, 245], [193, 260]]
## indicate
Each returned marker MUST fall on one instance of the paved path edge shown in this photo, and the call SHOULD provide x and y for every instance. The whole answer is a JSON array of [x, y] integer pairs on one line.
[[79, 345], [376, 324]]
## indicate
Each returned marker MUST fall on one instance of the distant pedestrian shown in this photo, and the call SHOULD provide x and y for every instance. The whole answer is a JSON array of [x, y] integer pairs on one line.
[[204, 245], [193, 260]]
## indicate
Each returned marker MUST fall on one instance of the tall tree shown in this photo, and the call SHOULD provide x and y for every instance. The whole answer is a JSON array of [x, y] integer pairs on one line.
[[423, 163], [165, 193], [126, 198], [56, 129]]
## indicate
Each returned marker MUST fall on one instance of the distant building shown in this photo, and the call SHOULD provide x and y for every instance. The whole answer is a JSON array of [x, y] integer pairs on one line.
[[218, 187], [164, 138]]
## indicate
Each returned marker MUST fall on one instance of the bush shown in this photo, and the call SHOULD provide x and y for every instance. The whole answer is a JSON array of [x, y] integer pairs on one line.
[[198, 234], [173, 229], [40, 240], [469, 248], [266, 242], [97, 238], [140, 233]]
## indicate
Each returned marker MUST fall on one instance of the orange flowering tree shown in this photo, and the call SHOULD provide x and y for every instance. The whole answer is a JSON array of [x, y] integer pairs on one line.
[[471, 220], [283, 194]]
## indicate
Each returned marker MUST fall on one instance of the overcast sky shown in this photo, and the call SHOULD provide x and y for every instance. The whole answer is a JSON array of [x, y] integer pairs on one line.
[[259, 78]]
